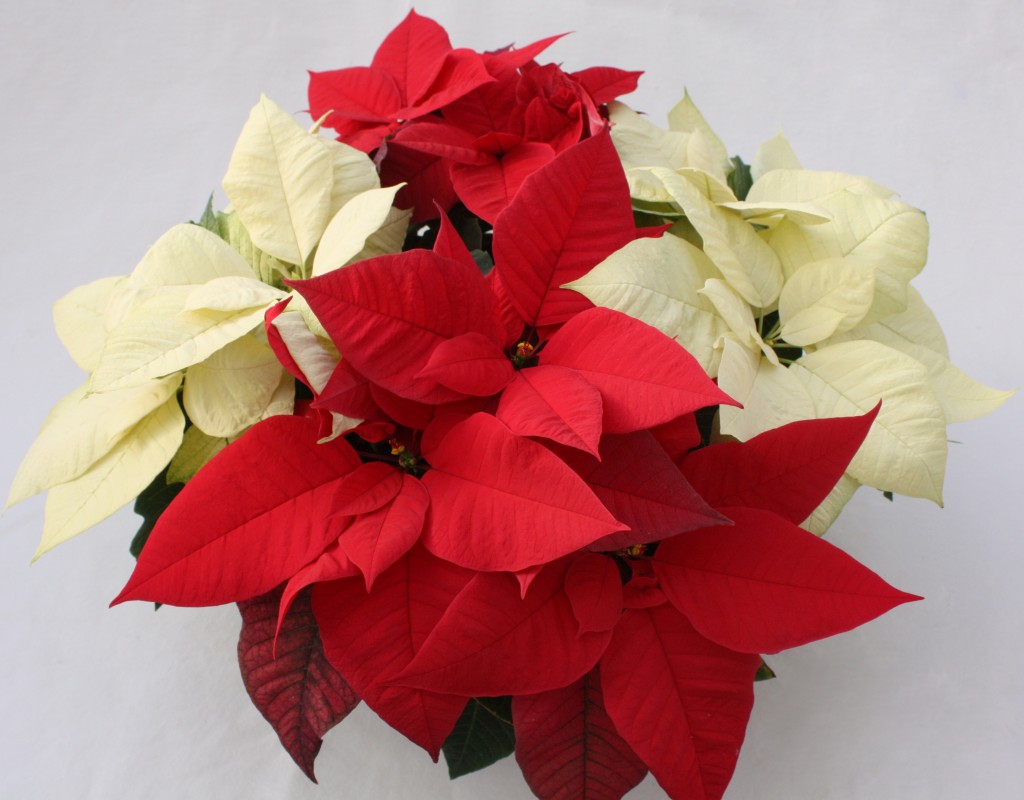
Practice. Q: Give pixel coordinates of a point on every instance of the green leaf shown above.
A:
(482, 736)
(740, 179)
(150, 504)
(483, 260)
(209, 218)
(764, 672)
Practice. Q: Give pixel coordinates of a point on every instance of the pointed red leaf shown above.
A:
(645, 378)
(490, 108)
(362, 94)
(333, 564)
(434, 136)
(641, 487)
(556, 403)
(370, 638)
(643, 591)
(412, 53)
(604, 84)
(764, 585)
(503, 502)
(491, 642)
(594, 587)
(460, 73)
(678, 437)
(567, 217)
(515, 57)
(472, 364)
(788, 470)
(428, 186)
(513, 325)
(486, 189)
(376, 540)
(681, 701)
(366, 489)
(252, 517)
(526, 577)
(407, 413)
(568, 748)
(387, 314)
(278, 344)
(449, 244)
(347, 392)
(299, 693)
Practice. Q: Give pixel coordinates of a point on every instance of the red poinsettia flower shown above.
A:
(535, 526)
(415, 71)
(494, 137)
(456, 125)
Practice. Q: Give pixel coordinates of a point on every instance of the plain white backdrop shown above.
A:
(119, 120)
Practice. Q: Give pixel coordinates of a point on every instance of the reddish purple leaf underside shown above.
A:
(568, 748)
(298, 692)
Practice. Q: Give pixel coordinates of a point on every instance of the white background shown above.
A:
(118, 121)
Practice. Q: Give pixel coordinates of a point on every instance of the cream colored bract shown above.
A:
(796, 297)
(184, 331)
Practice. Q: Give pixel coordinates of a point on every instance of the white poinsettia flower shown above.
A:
(184, 331)
(796, 297)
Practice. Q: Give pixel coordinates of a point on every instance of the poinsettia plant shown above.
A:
(509, 414)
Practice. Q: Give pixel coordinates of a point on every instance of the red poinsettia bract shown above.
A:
(456, 125)
(538, 524)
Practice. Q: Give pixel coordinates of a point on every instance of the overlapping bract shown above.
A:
(499, 486)
(460, 125)
(497, 496)
(792, 288)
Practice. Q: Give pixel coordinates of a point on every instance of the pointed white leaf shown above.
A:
(282, 401)
(280, 181)
(389, 238)
(764, 212)
(348, 231)
(905, 450)
(79, 317)
(115, 479)
(961, 396)
(657, 281)
(712, 187)
(641, 143)
(810, 186)
(731, 243)
(265, 267)
(84, 429)
(737, 315)
(160, 337)
(776, 153)
(232, 295)
(769, 393)
(886, 236)
(916, 324)
(707, 152)
(229, 391)
(188, 254)
(825, 514)
(316, 356)
(823, 298)
(352, 173)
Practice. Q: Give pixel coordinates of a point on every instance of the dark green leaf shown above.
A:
(764, 672)
(468, 226)
(149, 505)
(739, 179)
(482, 736)
(483, 260)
